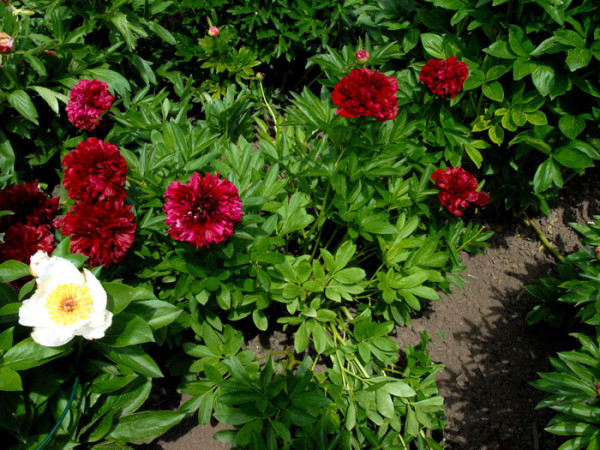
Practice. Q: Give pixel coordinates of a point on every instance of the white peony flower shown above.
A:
(66, 303)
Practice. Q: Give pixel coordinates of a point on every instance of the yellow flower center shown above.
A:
(69, 303)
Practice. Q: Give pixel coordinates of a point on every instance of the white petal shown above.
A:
(97, 292)
(33, 313)
(39, 259)
(57, 271)
(52, 337)
(96, 329)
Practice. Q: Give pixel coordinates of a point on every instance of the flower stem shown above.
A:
(470, 240)
(543, 238)
(271, 113)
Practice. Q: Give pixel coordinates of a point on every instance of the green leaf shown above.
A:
(12, 270)
(433, 45)
(543, 79)
(493, 91)
(500, 49)
(522, 67)
(21, 101)
(385, 405)
(571, 126)
(578, 58)
(375, 224)
(27, 354)
(496, 134)
(350, 421)
(399, 389)
(232, 416)
(51, 97)
(537, 118)
(302, 338)
(134, 358)
(144, 427)
(155, 313)
(547, 173)
(119, 296)
(573, 157)
(10, 380)
(128, 329)
(260, 320)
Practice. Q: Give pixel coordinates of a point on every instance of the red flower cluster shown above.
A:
(458, 189)
(203, 211)
(444, 77)
(30, 226)
(95, 170)
(366, 93)
(100, 224)
(87, 101)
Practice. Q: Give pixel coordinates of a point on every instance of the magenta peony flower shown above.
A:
(102, 231)
(95, 170)
(366, 93)
(458, 189)
(203, 211)
(362, 56)
(6, 43)
(213, 31)
(444, 77)
(88, 100)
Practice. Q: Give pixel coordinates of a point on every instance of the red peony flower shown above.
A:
(22, 241)
(366, 93)
(29, 205)
(444, 77)
(362, 56)
(203, 211)
(102, 231)
(88, 100)
(6, 43)
(95, 170)
(458, 189)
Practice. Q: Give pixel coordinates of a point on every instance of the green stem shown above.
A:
(62, 416)
(543, 238)
(470, 240)
(262, 91)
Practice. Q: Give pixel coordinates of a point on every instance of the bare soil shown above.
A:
(481, 336)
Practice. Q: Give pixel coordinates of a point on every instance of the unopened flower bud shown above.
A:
(362, 56)
(598, 389)
(597, 252)
(213, 31)
(6, 43)
(260, 76)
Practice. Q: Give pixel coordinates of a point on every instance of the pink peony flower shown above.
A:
(444, 77)
(213, 31)
(203, 211)
(95, 170)
(88, 100)
(6, 43)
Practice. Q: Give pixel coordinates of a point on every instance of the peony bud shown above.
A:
(213, 31)
(6, 43)
(260, 76)
(598, 389)
(362, 56)
(597, 252)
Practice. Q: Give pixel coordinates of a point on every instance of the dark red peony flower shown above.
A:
(366, 93)
(29, 205)
(458, 189)
(22, 241)
(203, 211)
(88, 100)
(102, 231)
(95, 170)
(444, 77)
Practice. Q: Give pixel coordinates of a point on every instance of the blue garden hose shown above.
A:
(62, 416)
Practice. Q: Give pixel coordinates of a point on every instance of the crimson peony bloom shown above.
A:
(29, 205)
(458, 189)
(366, 93)
(203, 211)
(95, 170)
(21, 241)
(6, 43)
(362, 56)
(444, 77)
(102, 231)
(88, 100)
